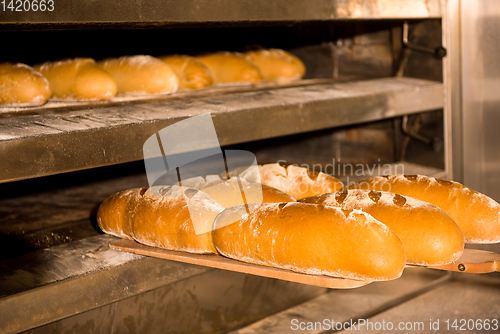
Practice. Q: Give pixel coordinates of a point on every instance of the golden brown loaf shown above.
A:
(21, 85)
(312, 239)
(229, 68)
(429, 235)
(293, 180)
(168, 218)
(140, 75)
(173, 218)
(192, 74)
(477, 215)
(78, 79)
(114, 215)
(277, 64)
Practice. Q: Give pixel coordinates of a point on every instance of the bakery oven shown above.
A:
(391, 87)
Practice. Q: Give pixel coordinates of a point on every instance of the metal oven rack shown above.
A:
(60, 138)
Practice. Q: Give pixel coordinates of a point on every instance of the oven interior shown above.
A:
(57, 267)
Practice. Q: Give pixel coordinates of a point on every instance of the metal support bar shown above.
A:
(439, 52)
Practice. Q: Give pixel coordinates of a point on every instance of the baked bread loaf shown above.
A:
(192, 74)
(178, 219)
(296, 181)
(230, 68)
(311, 239)
(277, 64)
(429, 235)
(477, 215)
(141, 75)
(78, 79)
(22, 86)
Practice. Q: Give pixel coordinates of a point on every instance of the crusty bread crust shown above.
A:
(230, 68)
(293, 180)
(429, 235)
(312, 239)
(161, 217)
(21, 85)
(166, 218)
(477, 215)
(192, 74)
(277, 64)
(141, 75)
(78, 79)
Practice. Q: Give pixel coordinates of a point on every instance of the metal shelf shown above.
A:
(157, 13)
(48, 144)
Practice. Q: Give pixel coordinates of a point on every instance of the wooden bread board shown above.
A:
(473, 261)
(220, 262)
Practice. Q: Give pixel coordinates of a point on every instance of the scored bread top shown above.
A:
(428, 233)
(170, 217)
(296, 181)
(312, 239)
(477, 215)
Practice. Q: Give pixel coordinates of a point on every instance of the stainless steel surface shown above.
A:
(418, 298)
(48, 144)
(473, 298)
(344, 306)
(65, 280)
(480, 31)
(452, 82)
(213, 302)
(169, 12)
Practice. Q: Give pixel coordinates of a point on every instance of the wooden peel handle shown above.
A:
(474, 261)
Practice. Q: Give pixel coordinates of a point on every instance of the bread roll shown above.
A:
(429, 235)
(140, 75)
(230, 68)
(477, 215)
(192, 74)
(293, 180)
(78, 79)
(178, 219)
(311, 239)
(22, 86)
(277, 64)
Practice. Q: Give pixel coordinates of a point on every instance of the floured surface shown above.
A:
(217, 261)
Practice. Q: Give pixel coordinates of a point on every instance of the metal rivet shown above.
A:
(461, 267)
